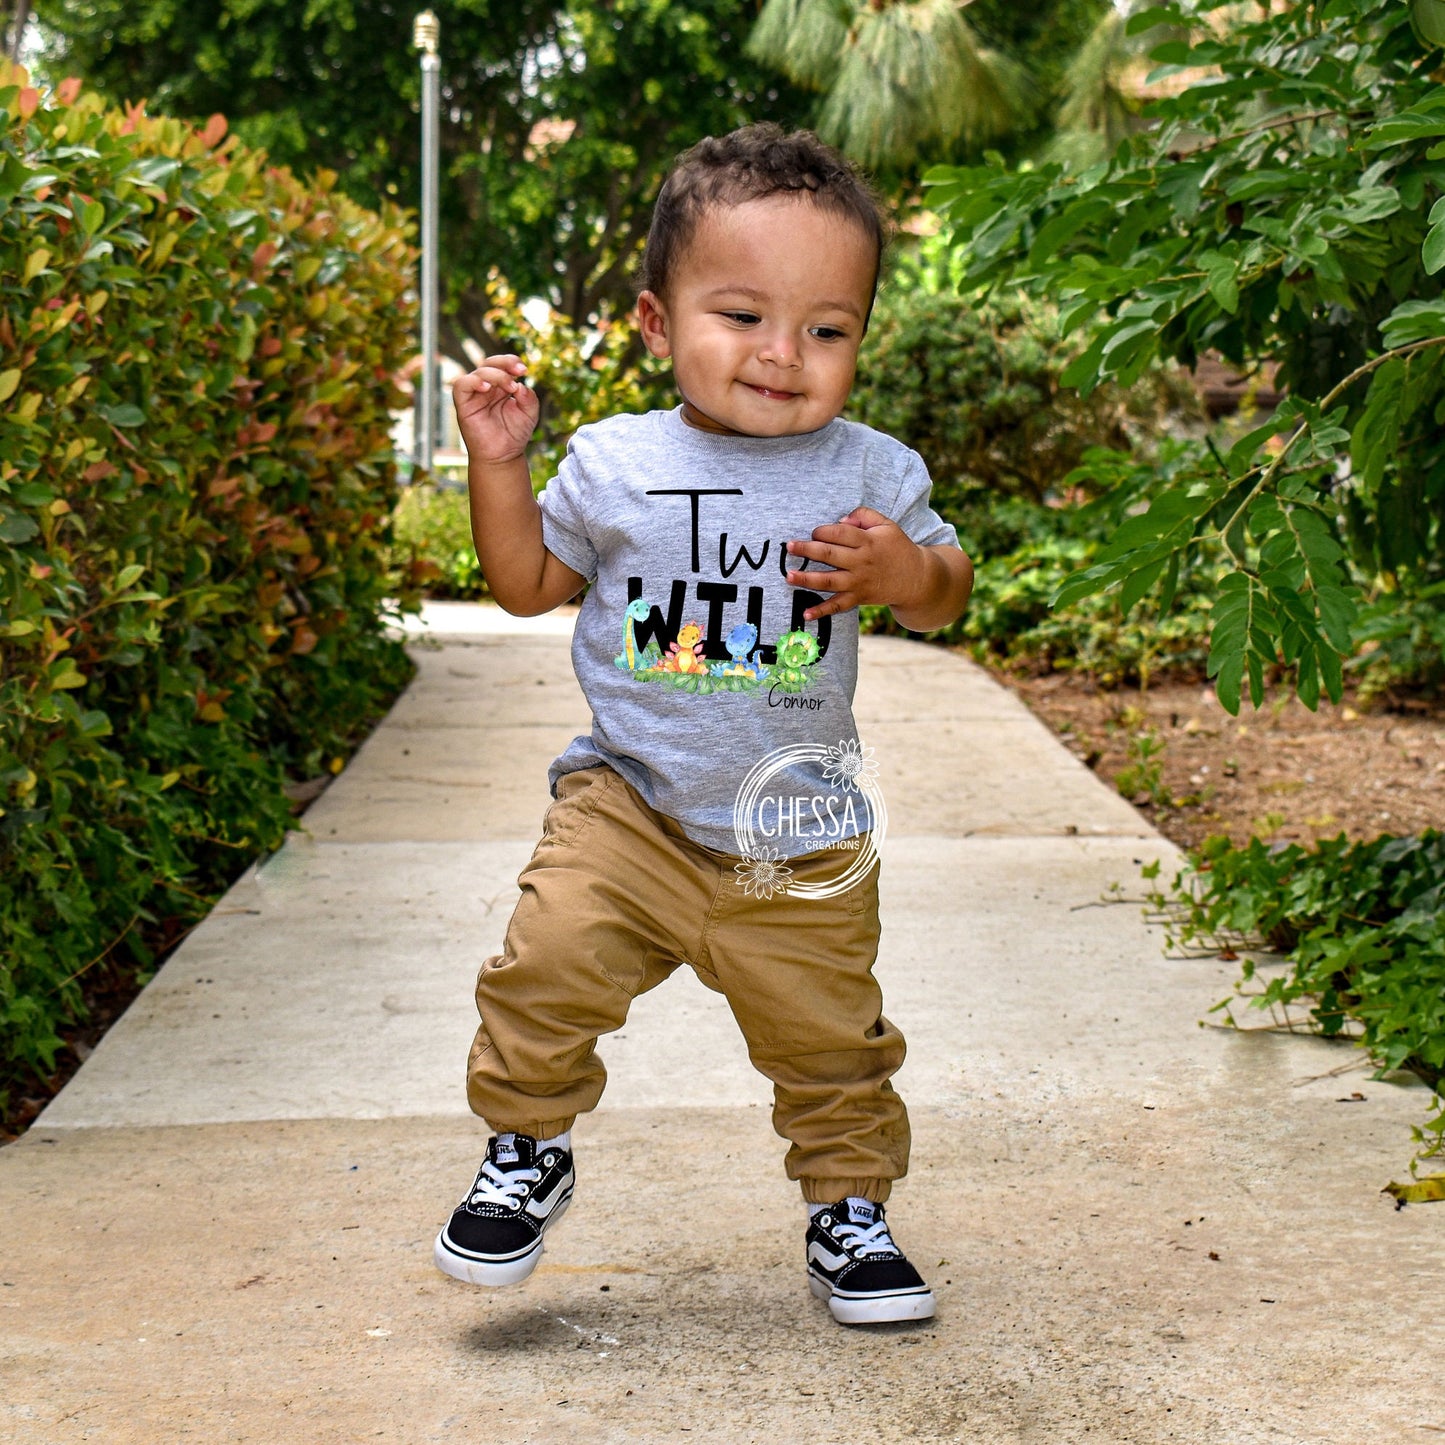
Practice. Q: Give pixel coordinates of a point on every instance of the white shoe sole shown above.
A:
(501, 1272)
(881, 1310)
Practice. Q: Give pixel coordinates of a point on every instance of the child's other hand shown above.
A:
(875, 560)
(496, 410)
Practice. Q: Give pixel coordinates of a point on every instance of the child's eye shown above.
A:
(743, 318)
(828, 333)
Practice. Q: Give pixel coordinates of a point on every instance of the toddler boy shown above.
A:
(712, 535)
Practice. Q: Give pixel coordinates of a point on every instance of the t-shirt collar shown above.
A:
(680, 431)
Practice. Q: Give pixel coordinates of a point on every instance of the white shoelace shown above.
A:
(874, 1242)
(494, 1186)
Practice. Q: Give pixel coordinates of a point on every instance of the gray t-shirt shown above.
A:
(690, 645)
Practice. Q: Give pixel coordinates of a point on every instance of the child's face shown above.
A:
(764, 317)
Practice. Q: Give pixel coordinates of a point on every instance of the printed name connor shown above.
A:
(789, 816)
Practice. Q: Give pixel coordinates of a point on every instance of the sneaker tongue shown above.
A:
(862, 1211)
(512, 1149)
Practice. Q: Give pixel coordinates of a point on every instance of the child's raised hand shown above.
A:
(875, 561)
(496, 410)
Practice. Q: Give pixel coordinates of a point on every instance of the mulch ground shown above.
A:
(1282, 773)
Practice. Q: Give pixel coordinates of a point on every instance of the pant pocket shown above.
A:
(578, 794)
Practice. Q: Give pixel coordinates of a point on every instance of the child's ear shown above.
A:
(652, 323)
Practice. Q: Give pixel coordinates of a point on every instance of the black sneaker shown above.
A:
(855, 1266)
(495, 1234)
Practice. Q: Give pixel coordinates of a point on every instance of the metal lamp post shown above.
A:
(425, 36)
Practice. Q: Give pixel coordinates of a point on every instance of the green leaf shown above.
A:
(1083, 583)
(128, 577)
(1370, 203)
(1139, 583)
(95, 724)
(1337, 617)
(1083, 371)
(1243, 632)
(1307, 680)
(1432, 252)
(1413, 321)
(1242, 452)
(1377, 433)
(1333, 674)
(1143, 20)
(1227, 680)
(125, 414)
(1224, 288)
(1171, 583)
(1169, 512)
(152, 170)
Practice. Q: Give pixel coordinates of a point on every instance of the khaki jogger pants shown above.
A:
(614, 898)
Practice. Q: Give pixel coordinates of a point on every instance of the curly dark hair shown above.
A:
(748, 165)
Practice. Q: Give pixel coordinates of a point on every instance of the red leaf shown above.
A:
(98, 471)
(29, 99)
(215, 130)
(68, 89)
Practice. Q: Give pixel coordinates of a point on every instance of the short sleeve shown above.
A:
(564, 516)
(912, 511)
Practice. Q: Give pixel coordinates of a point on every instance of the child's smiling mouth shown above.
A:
(769, 391)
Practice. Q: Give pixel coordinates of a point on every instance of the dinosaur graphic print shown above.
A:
(689, 655)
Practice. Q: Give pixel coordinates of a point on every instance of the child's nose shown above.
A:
(780, 346)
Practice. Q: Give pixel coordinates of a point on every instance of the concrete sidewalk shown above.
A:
(1138, 1230)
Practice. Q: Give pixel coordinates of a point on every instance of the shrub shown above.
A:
(1022, 552)
(1402, 630)
(974, 389)
(1284, 205)
(433, 531)
(580, 374)
(196, 359)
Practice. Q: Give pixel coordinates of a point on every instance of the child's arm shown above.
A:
(877, 562)
(497, 414)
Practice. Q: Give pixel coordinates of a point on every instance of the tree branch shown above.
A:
(1274, 465)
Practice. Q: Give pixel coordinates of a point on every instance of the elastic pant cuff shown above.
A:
(546, 1129)
(830, 1191)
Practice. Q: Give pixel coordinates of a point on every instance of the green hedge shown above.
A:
(196, 372)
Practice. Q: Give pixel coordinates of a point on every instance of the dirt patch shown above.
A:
(1279, 773)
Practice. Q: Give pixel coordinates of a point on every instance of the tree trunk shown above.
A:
(17, 30)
